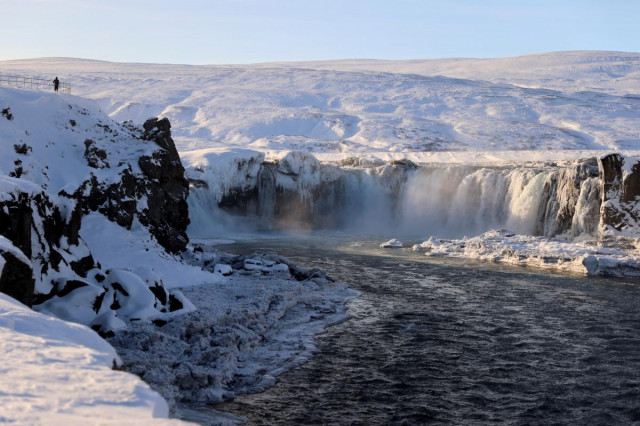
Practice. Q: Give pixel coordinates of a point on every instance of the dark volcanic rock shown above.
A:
(95, 156)
(16, 278)
(16, 221)
(620, 192)
(22, 149)
(620, 211)
(631, 186)
(611, 182)
(167, 212)
(162, 185)
(35, 226)
(6, 113)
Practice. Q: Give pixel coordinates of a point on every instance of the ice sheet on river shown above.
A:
(541, 252)
(246, 330)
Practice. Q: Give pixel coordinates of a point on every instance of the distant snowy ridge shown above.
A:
(575, 101)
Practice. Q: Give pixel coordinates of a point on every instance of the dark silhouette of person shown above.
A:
(56, 84)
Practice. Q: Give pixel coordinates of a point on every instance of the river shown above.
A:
(458, 342)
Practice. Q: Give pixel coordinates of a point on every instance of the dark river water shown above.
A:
(457, 342)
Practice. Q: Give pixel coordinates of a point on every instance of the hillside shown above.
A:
(546, 104)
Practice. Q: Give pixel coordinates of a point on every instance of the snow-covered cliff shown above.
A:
(297, 191)
(85, 198)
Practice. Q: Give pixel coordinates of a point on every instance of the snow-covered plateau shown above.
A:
(530, 160)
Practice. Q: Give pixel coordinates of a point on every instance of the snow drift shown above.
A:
(61, 373)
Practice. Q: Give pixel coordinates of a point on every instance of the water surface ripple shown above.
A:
(454, 343)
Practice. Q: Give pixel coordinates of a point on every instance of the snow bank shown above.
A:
(119, 248)
(540, 252)
(55, 372)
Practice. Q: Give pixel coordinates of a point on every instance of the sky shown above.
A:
(251, 31)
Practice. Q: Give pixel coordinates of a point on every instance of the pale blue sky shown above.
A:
(245, 31)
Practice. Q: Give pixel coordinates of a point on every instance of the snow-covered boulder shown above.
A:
(109, 301)
(265, 264)
(223, 269)
(392, 243)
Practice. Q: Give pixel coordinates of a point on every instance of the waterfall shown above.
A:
(456, 201)
(403, 199)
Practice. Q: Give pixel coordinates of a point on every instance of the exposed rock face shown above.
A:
(16, 222)
(95, 156)
(36, 226)
(47, 231)
(16, 275)
(167, 212)
(162, 185)
(570, 202)
(298, 192)
(620, 183)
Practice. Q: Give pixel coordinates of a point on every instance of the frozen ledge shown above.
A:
(540, 252)
(471, 157)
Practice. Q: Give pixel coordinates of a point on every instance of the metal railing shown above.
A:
(32, 83)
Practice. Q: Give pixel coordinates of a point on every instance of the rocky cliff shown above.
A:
(620, 187)
(62, 161)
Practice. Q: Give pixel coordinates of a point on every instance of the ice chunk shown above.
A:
(392, 243)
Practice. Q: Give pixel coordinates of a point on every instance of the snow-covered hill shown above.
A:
(65, 168)
(576, 101)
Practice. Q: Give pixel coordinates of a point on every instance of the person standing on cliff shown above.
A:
(56, 84)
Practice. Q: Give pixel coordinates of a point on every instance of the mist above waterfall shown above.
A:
(457, 201)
